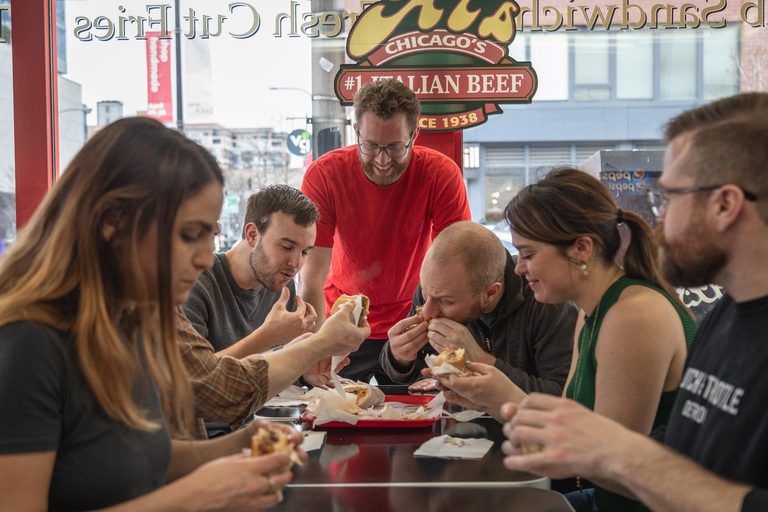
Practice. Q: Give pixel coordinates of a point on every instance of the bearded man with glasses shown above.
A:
(381, 204)
(713, 455)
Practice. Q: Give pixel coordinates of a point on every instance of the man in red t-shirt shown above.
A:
(381, 204)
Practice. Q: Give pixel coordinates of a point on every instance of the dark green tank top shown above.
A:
(586, 370)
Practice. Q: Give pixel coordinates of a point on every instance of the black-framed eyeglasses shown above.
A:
(658, 196)
(393, 150)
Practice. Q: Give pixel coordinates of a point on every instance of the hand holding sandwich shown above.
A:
(444, 333)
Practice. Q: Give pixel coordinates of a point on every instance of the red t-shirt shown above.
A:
(379, 234)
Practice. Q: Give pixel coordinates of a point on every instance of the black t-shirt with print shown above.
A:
(720, 418)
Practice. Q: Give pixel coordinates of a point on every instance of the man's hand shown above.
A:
(444, 333)
(420, 386)
(487, 389)
(282, 325)
(574, 440)
(405, 344)
(319, 374)
(339, 335)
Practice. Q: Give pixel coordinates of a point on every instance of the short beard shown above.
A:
(261, 268)
(693, 261)
(473, 316)
(394, 174)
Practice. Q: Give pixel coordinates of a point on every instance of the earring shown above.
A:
(584, 269)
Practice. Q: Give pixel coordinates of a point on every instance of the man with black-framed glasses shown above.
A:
(381, 202)
(712, 201)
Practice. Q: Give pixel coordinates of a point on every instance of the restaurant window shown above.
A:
(634, 65)
(678, 54)
(245, 99)
(721, 58)
(7, 151)
(549, 56)
(591, 67)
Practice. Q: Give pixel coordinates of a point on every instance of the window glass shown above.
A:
(678, 62)
(634, 65)
(721, 59)
(7, 153)
(591, 66)
(549, 56)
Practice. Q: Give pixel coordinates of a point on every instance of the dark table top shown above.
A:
(383, 457)
(414, 499)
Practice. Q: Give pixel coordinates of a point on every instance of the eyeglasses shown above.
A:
(658, 196)
(393, 150)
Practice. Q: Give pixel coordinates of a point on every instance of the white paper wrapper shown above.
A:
(447, 447)
(445, 368)
(332, 407)
(335, 360)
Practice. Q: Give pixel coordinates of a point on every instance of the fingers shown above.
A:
(300, 304)
(310, 310)
(285, 295)
(508, 410)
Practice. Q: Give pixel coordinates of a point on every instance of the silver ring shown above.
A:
(271, 483)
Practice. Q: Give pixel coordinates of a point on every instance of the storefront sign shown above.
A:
(159, 93)
(454, 59)
(299, 142)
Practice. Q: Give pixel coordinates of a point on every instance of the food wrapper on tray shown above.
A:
(331, 408)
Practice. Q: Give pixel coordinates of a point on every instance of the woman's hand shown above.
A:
(238, 483)
(486, 390)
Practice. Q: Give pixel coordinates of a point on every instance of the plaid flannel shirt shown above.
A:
(225, 389)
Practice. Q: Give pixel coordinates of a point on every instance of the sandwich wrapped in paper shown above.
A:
(366, 395)
(270, 439)
(366, 305)
(447, 362)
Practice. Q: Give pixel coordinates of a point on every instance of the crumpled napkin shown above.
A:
(447, 447)
(332, 407)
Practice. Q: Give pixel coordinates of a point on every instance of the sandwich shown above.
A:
(453, 357)
(419, 313)
(345, 298)
(365, 395)
(271, 439)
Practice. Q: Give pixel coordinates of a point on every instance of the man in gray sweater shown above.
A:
(246, 303)
(469, 289)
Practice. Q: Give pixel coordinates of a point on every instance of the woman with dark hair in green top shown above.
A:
(633, 332)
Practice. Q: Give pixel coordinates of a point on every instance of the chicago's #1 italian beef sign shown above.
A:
(451, 53)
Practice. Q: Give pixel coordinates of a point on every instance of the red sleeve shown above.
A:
(317, 188)
(450, 201)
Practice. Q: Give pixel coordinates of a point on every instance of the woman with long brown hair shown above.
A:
(89, 363)
(633, 332)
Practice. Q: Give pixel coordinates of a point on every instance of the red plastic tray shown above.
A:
(405, 399)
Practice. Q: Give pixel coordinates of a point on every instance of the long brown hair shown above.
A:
(64, 273)
(569, 204)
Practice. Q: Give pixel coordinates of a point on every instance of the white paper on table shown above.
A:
(336, 360)
(313, 440)
(466, 415)
(447, 447)
(293, 396)
(445, 368)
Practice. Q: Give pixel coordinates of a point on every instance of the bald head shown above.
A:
(475, 248)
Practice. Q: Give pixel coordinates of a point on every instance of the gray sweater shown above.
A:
(532, 342)
(222, 312)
